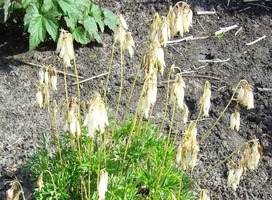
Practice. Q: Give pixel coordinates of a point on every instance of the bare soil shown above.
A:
(22, 123)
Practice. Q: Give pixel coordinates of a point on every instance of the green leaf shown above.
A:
(47, 5)
(70, 22)
(51, 25)
(110, 19)
(7, 9)
(37, 32)
(25, 3)
(96, 13)
(67, 6)
(31, 13)
(90, 25)
(81, 36)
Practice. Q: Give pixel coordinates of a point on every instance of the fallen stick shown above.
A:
(215, 60)
(88, 79)
(189, 38)
(193, 76)
(225, 29)
(206, 12)
(238, 31)
(265, 89)
(255, 41)
(58, 71)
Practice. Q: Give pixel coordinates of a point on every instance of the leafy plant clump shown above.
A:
(83, 18)
(140, 176)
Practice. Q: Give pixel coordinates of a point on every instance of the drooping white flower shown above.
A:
(177, 92)
(235, 120)
(46, 78)
(185, 113)
(123, 22)
(254, 156)
(234, 177)
(96, 118)
(187, 17)
(41, 76)
(102, 187)
(245, 95)
(159, 56)
(206, 99)
(129, 44)
(188, 148)
(65, 47)
(39, 99)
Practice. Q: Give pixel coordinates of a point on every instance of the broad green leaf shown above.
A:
(96, 13)
(31, 13)
(68, 7)
(81, 36)
(37, 32)
(82, 5)
(110, 19)
(90, 25)
(47, 5)
(51, 25)
(70, 22)
(97, 37)
(25, 3)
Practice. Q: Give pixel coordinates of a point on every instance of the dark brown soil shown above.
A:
(22, 123)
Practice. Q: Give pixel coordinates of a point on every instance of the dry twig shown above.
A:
(255, 41)
(88, 79)
(225, 29)
(215, 60)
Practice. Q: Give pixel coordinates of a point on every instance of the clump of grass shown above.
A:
(136, 177)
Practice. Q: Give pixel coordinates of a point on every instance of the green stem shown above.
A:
(78, 90)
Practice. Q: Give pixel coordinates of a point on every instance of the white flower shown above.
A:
(206, 99)
(39, 99)
(54, 82)
(41, 76)
(178, 27)
(102, 187)
(177, 92)
(188, 148)
(152, 89)
(120, 36)
(245, 95)
(143, 106)
(187, 17)
(123, 22)
(129, 44)
(97, 117)
(46, 78)
(186, 113)
(254, 156)
(159, 54)
(234, 177)
(65, 47)
(235, 120)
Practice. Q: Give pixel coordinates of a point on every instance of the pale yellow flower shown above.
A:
(235, 120)
(102, 187)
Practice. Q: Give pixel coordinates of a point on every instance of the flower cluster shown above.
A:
(72, 121)
(249, 160)
(124, 38)
(65, 47)
(102, 187)
(13, 193)
(178, 20)
(188, 149)
(47, 79)
(96, 118)
(245, 95)
(148, 97)
(177, 96)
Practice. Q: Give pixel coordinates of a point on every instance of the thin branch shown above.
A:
(88, 79)
(225, 29)
(37, 65)
(215, 60)
(238, 31)
(255, 41)
(189, 38)
(206, 12)
(265, 89)
(193, 76)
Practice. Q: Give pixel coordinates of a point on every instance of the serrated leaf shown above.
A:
(67, 6)
(97, 38)
(70, 22)
(110, 19)
(25, 3)
(31, 13)
(96, 13)
(90, 25)
(51, 25)
(81, 36)
(47, 5)
(37, 32)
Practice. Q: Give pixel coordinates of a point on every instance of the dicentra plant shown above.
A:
(93, 157)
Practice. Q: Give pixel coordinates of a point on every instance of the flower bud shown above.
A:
(235, 121)
(206, 99)
(39, 99)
